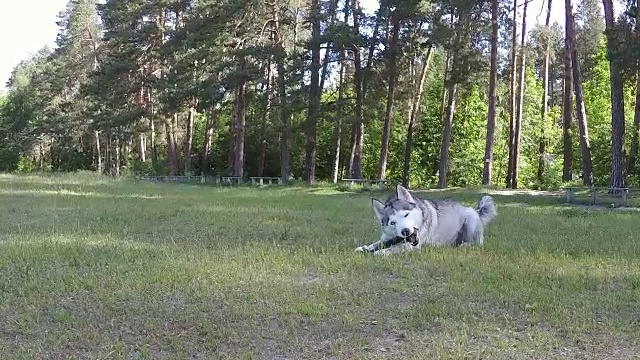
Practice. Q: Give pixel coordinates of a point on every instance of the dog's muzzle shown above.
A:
(409, 236)
(413, 238)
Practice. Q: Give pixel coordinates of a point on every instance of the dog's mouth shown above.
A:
(413, 238)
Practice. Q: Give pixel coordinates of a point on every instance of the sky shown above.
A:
(26, 26)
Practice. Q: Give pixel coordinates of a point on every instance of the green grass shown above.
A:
(100, 269)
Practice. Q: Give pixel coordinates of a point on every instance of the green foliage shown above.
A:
(145, 62)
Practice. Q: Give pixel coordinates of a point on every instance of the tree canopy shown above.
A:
(429, 93)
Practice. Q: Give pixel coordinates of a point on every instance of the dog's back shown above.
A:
(457, 224)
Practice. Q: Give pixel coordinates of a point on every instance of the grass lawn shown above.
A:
(98, 269)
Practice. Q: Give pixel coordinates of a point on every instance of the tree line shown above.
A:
(430, 93)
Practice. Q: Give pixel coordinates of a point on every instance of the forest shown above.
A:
(425, 93)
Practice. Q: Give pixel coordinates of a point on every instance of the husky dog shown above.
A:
(408, 223)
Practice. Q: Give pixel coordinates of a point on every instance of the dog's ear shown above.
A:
(378, 209)
(403, 194)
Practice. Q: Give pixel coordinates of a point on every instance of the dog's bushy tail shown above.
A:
(486, 209)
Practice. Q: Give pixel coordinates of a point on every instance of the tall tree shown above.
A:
(521, 81)
(587, 167)
(635, 139)
(544, 110)
(413, 116)
(513, 83)
(239, 122)
(493, 80)
(393, 58)
(467, 25)
(283, 108)
(208, 140)
(618, 175)
(335, 167)
(361, 80)
(342, 85)
(268, 90)
(567, 102)
(314, 93)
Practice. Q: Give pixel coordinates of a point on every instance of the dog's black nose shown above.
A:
(405, 232)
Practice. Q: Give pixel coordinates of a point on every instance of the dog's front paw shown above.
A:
(363, 248)
(383, 252)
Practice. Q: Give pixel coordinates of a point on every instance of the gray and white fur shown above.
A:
(408, 223)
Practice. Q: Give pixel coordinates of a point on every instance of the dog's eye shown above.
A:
(407, 214)
(392, 223)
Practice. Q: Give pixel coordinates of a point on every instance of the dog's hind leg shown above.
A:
(470, 233)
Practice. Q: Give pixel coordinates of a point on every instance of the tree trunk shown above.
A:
(314, 95)
(265, 116)
(154, 146)
(618, 176)
(446, 135)
(116, 163)
(635, 138)
(285, 132)
(491, 115)
(413, 117)
(188, 143)
(513, 83)
(42, 155)
(232, 136)
(352, 147)
(208, 141)
(96, 137)
(362, 81)
(443, 98)
(174, 130)
(587, 172)
(239, 120)
(567, 100)
(448, 124)
(151, 111)
(127, 147)
(108, 153)
(142, 148)
(142, 144)
(542, 145)
(443, 103)
(355, 160)
(283, 111)
(518, 127)
(171, 148)
(358, 125)
(386, 132)
(335, 168)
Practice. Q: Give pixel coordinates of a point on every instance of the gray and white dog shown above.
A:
(408, 223)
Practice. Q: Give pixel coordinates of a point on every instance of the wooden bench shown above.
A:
(231, 180)
(365, 182)
(570, 193)
(200, 179)
(270, 180)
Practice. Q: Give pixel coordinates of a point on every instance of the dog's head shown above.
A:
(399, 216)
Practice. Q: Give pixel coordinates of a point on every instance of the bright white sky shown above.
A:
(25, 27)
(28, 25)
